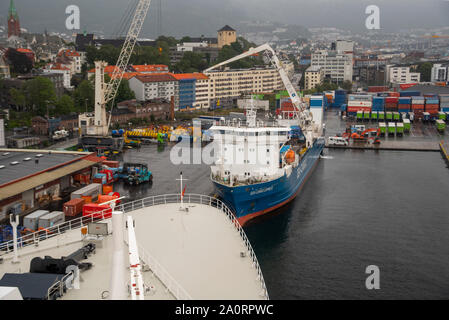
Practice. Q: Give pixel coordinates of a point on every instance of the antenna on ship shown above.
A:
(182, 192)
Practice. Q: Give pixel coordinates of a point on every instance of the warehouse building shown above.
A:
(31, 179)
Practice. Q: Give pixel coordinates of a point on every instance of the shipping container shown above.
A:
(73, 207)
(111, 164)
(377, 88)
(31, 221)
(410, 93)
(93, 190)
(51, 219)
(97, 211)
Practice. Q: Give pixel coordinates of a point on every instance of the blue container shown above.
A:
(343, 107)
(410, 93)
(316, 103)
(405, 100)
(403, 110)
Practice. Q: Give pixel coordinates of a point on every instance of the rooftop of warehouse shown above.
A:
(428, 89)
(16, 164)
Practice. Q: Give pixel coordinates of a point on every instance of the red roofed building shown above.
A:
(150, 68)
(75, 57)
(29, 53)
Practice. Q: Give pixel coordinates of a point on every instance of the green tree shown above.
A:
(84, 94)
(18, 98)
(40, 94)
(191, 62)
(425, 69)
(64, 106)
(346, 85)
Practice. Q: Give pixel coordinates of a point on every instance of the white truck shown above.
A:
(61, 134)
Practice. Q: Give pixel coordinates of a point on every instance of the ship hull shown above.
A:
(251, 201)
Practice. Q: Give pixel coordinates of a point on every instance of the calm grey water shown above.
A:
(389, 209)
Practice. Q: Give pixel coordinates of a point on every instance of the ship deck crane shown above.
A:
(302, 115)
(106, 92)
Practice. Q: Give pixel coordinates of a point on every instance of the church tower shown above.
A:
(13, 21)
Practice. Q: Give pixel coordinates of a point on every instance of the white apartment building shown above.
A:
(439, 73)
(314, 76)
(155, 86)
(202, 92)
(63, 69)
(401, 75)
(234, 83)
(345, 46)
(336, 65)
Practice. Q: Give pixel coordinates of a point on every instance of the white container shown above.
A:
(93, 190)
(51, 219)
(31, 221)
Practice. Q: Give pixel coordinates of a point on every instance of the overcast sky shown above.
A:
(196, 17)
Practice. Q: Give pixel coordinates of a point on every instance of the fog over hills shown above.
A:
(197, 17)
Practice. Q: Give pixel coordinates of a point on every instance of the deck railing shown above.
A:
(158, 270)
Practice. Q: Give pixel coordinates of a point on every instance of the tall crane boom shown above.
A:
(127, 49)
(303, 115)
(105, 93)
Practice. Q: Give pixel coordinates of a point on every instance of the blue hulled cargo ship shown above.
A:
(253, 200)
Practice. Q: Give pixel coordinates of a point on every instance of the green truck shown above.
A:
(441, 125)
(389, 116)
(381, 115)
(399, 128)
(442, 115)
(359, 115)
(383, 128)
(407, 125)
(396, 116)
(391, 128)
(366, 115)
(374, 115)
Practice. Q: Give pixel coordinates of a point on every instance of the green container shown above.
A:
(391, 128)
(381, 115)
(400, 128)
(383, 128)
(389, 115)
(407, 125)
(441, 125)
(374, 115)
(441, 115)
(366, 115)
(359, 115)
(396, 116)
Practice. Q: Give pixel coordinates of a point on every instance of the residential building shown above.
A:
(75, 57)
(61, 69)
(187, 88)
(227, 86)
(133, 70)
(439, 73)
(202, 91)
(226, 36)
(337, 65)
(314, 76)
(401, 75)
(155, 86)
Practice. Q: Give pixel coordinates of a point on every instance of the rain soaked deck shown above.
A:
(201, 249)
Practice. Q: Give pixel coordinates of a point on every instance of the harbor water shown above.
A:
(359, 208)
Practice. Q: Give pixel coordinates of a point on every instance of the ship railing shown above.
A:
(33, 239)
(51, 232)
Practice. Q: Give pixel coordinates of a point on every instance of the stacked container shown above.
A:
(359, 102)
(378, 104)
(418, 104)
(410, 94)
(432, 106)
(51, 219)
(31, 221)
(339, 98)
(391, 103)
(444, 102)
(404, 104)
